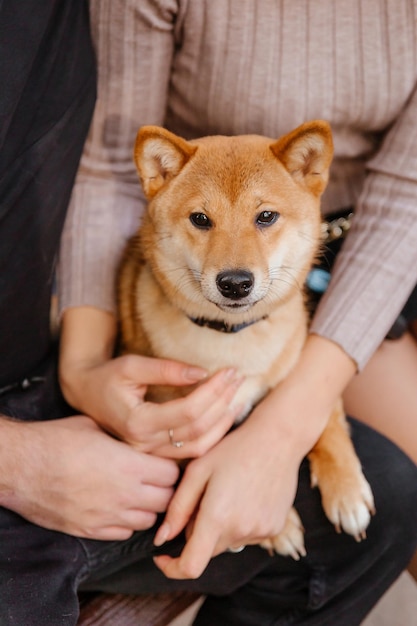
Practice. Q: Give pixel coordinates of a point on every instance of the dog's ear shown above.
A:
(306, 153)
(159, 156)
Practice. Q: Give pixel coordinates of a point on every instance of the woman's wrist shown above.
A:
(298, 409)
(86, 341)
(73, 380)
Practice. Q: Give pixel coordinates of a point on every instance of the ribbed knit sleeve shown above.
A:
(134, 61)
(377, 268)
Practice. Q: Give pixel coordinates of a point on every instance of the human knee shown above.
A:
(393, 479)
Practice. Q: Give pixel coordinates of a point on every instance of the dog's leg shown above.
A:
(335, 468)
(290, 541)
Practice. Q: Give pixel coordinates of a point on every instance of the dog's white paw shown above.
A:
(290, 541)
(348, 504)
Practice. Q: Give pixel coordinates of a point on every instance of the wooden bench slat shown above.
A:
(126, 610)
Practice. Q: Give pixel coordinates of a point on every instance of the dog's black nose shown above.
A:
(235, 284)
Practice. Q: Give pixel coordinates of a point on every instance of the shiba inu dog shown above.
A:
(215, 275)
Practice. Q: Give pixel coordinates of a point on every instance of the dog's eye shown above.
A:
(200, 220)
(266, 218)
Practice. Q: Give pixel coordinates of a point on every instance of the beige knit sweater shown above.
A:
(261, 66)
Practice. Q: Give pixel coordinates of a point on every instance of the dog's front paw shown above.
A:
(290, 541)
(347, 501)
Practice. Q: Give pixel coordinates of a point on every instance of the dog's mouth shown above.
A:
(237, 307)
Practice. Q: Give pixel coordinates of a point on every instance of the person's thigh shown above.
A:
(384, 394)
(39, 572)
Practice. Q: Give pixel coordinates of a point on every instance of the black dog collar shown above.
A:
(222, 327)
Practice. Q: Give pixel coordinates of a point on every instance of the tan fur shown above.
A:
(172, 272)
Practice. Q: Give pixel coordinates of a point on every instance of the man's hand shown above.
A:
(68, 475)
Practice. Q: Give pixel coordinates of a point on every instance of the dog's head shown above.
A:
(233, 223)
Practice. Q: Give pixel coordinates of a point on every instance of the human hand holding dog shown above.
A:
(240, 492)
(112, 391)
(227, 498)
(57, 475)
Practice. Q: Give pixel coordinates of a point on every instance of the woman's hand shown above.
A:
(240, 492)
(112, 391)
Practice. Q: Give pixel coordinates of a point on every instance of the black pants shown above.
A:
(48, 86)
